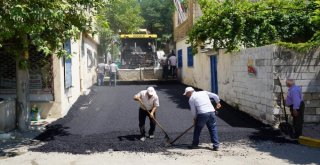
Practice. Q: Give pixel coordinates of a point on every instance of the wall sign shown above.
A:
(251, 68)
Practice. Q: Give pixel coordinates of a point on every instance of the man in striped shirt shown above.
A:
(296, 104)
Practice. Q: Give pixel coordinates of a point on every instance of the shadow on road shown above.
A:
(174, 93)
(129, 137)
(236, 118)
(52, 131)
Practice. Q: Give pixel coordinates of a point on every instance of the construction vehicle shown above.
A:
(138, 50)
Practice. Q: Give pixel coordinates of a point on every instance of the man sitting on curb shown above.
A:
(149, 103)
(204, 114)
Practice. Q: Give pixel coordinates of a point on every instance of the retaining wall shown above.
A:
(257, 93)
(251, 93)
(137, 74)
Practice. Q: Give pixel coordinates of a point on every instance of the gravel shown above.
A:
(107, 120)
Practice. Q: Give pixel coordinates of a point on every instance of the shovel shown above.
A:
(284, 127)
(160, 126)
(177, 138)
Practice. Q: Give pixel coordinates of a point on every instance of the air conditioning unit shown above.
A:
(206, 47)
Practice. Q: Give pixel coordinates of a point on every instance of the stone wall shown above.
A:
(305, 69)
(251, 93)
(258, 94)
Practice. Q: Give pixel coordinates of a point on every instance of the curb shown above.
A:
(311, 142)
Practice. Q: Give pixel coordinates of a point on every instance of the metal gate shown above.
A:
(40, 72)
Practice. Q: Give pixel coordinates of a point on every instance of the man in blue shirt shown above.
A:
(204, 114)
(296, 104)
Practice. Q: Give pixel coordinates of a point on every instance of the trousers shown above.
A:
(142, 120)
(208, 119)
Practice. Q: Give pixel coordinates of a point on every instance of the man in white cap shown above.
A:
(204, 114)
(149, 103)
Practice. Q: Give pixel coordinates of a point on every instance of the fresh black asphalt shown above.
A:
(107, 120)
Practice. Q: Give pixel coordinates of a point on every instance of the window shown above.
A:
(190, 57)
(67, 66)
(180, 58)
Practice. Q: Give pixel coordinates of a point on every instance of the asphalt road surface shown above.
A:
(107, 120)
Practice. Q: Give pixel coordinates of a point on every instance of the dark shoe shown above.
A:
(294, 137)
(193, 147)
(215, 148)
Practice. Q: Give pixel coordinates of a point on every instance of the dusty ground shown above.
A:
(102, 128)
(235, 153)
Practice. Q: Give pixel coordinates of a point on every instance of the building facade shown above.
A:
(55, 83)
(248, 79)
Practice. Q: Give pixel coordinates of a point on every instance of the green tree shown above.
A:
(118, 16)
(316, 20)
(123, 16)
(46, 25)
(158, 18)
(234, 23)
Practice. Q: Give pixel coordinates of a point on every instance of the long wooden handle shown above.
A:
(283, 101)
(167, 136)
(182, 134)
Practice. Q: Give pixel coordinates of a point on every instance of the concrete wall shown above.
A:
(305, 69)
(259, 95)
(136, 75)
(250, 93)
(89, 74)
(83, 77)
(200, 74)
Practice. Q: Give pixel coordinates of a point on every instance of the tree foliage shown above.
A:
(45, 24)
(118, 16)
(158, 16)
(232, 24)
(123, 15)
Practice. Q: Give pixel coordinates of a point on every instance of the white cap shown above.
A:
(188, 89)
(151, 91)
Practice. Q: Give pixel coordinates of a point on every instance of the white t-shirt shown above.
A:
(113, 68)
(173, 61)
(148, 103)
(200, 102)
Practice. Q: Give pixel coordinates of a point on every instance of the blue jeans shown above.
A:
(113, 78)
(208, 119)
(100, 79)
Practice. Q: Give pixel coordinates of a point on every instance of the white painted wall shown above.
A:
(89, 74)
(200, 74)
(251, 94)
(82, 79)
